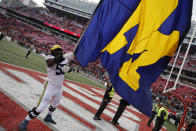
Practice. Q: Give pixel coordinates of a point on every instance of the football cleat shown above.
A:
(96, 118)
(48, 118)
(115, 123)
(23, 125)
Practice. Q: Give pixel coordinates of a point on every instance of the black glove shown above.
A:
(58, 58)
(70, 70)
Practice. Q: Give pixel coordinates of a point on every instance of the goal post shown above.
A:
(182, 65)
(178, 76)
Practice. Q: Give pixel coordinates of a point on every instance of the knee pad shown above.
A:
(33, 113)
(51, 109)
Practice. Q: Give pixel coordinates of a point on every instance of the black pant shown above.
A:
(28, 53)
(158, 124)
(177, 121)
(103, 105)
(123, 104)
(152, 117)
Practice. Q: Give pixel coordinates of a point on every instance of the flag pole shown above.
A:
(88, 24)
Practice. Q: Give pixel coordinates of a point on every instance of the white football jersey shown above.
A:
(55, 73)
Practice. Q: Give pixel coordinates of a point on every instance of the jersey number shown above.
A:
(59, 69)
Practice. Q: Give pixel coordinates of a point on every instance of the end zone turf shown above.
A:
(21, 88)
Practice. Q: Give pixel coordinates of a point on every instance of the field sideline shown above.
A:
(14, 54)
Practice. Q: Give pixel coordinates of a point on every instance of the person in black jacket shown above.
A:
(162, 116)
(109, 93)
(1, 36)
(154, 113)
(122, 106)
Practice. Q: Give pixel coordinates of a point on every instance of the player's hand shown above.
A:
(58, 58)
(66, 68)
(70, 69)
(69, 56)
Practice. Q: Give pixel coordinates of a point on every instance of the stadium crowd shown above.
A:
(190, 63)
(27, 35)
(44, 15)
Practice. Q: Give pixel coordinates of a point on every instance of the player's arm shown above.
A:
(58, 59)
(50, 62)
(68, 56)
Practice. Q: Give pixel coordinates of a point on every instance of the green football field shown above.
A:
(15, 54)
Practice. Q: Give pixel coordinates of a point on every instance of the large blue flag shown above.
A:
(135, 40)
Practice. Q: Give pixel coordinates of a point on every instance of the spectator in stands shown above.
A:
(190, 125)
(109, 93)
(121, 107)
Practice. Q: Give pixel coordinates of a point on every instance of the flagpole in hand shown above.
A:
(87, 25)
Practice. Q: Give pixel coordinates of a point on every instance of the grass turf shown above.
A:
(15, 54)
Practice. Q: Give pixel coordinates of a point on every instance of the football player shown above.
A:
(57, 65)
